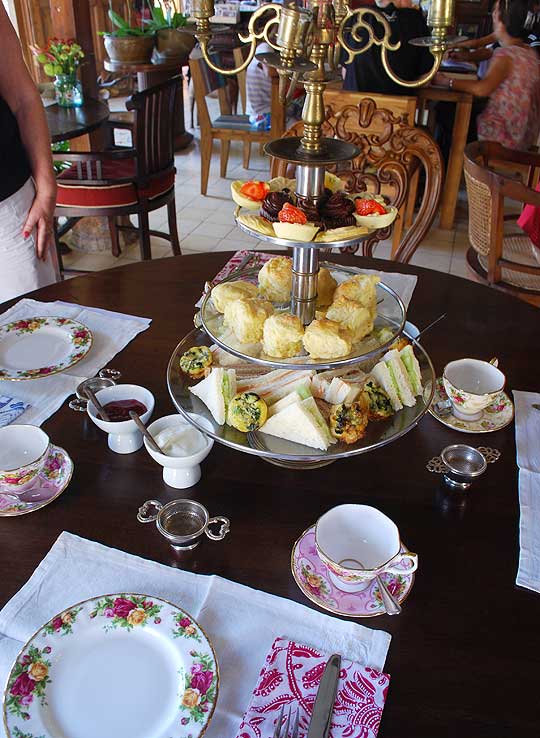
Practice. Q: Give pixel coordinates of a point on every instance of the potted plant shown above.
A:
(61, 60)
(127, 43)
(171, 41)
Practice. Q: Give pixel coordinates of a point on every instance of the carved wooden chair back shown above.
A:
(393, 152)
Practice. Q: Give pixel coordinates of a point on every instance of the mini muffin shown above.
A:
(362, 288)
(337, 211)
(272, 204)
(247, 412)
(275, 279)
(228, 291)
(351, 315)
(326, 339)
(195, 360)
(326, 285)
(282, 335)
(246, 316)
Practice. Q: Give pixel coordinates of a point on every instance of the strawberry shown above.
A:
(254, 190)
(290, 214)
(369, 207)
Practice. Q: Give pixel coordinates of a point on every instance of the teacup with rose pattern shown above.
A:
(472, 385)
(358, 543)
(23, 452)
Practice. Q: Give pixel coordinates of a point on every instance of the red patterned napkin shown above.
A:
(291, 676)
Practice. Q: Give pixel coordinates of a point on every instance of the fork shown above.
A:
(278, 732)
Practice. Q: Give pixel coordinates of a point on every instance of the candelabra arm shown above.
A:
(361, 14)
(437, 54)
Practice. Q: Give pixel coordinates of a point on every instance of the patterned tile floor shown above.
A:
(206, 223)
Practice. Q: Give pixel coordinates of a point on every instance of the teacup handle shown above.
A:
(145, 514)
(223, 530)
(412, 557)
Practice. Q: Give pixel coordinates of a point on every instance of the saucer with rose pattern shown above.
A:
(495, 416)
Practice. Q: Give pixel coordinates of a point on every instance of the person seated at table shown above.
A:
(512, 84)
(27, 181)
(366, 73)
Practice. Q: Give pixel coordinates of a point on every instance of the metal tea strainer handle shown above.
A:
(145, 515)
(223, 530)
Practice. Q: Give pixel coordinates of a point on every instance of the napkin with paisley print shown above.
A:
(291, 676)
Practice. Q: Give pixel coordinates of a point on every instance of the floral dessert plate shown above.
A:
(50, 483)
(496, 416)
(116, 665)
(38, 347)
(311, 575)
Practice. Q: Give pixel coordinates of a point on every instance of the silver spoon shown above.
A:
(103, 414)
(146, 433)
(390, 604)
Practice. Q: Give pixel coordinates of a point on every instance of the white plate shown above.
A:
(41, 346)
(114, 666)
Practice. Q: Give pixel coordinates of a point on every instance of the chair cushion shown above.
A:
(71, 194)
(234, 122)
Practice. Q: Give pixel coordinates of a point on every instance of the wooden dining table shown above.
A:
(464, 657)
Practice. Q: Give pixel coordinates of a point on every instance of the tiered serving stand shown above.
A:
(307, 38)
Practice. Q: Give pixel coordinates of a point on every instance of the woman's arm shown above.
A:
(499, 69)
(21, 94)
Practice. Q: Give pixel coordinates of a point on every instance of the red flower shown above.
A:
(202, 680)
(57, 623)
(23, 685)
(184, 623)
(122, 607)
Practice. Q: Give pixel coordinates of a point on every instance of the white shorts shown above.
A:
(20, 269)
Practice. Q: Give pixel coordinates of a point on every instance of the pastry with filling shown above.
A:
(293, 224)
(327, 339)
(362, 288)
(326, 285)
(282, 335)
(275, 279)
(351, 315)
(337, 211)
(246, 316)
(229, 291)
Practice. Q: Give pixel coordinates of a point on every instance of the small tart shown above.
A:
(281, 183)
(257, 223)
(333, 182)
(377, 221)
(341, 234)
(242, 200)
(296, 231)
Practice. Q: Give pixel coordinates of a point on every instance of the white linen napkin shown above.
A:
(528, 460)
(241, 622)
(111, 331)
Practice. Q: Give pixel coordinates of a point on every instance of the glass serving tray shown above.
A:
(278, 450)
(391, 315)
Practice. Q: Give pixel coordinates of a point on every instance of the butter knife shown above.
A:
(323, 707)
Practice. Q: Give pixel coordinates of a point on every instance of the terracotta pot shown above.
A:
(130, 49)
(172, 43)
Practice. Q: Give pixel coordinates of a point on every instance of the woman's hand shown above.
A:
(441, 80)
(40, 216)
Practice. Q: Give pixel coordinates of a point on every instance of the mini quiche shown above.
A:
(195, 361)
(247, 412)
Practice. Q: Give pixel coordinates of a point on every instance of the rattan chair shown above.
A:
(393, 154)
(500, 253)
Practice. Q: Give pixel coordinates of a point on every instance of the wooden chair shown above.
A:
(226, 127)
(501, 254)
(133, 181)
(393, 154)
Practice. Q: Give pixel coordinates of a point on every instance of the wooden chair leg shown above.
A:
(411, 199)
(225, 147)
(173, 228)
(206, 156)
(144, 234)
(246, 153)
(116, 250)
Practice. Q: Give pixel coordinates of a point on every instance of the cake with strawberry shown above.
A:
(293, 224)
(250, 194)
(373, 212)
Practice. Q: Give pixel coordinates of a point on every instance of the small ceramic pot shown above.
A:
(132, 49)
(173, 43)
(358, 543)
(123, 436)
(183, 522)
(472, 385)
(23, 452)
(179, 472)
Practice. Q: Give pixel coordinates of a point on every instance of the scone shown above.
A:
(326, 285)
(351, 315)
(362, 288)
(275, 279)
(282, 335)
(228, 291)
(326, 339)
(246, 316)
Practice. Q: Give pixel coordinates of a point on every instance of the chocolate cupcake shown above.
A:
(310, 209)
(272, 204)
(337, 211)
